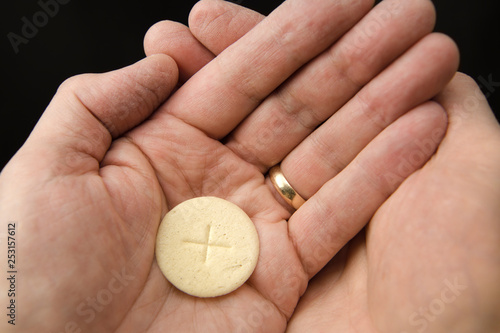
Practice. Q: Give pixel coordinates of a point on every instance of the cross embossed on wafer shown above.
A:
(207, 243)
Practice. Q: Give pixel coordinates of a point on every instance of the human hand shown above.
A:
(429, 261)
(88, 207)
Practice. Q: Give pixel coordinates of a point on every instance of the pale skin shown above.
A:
(91, 184)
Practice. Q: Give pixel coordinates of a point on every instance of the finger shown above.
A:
(414, 78)
(471, 124)
(89, 110)
(176, 40)
(214, 25)
(225, 91)
(344, 205)
(322, 87)
(218, 24)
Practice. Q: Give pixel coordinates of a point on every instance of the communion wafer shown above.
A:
(207, 247)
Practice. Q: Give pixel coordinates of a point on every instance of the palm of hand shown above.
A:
(140, 177)
(190, 165)
(106, 216)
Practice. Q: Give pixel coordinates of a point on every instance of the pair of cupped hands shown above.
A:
(396, 153)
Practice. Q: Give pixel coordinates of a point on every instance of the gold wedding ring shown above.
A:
(284, 188)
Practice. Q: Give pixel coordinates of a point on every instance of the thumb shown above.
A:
(89, 110)
(472, 123)
(466, 105)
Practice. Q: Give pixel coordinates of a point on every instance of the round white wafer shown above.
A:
(207, 247)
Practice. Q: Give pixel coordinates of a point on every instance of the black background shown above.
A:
(97, 36)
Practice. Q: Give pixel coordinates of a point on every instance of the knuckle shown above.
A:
(71, 84)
